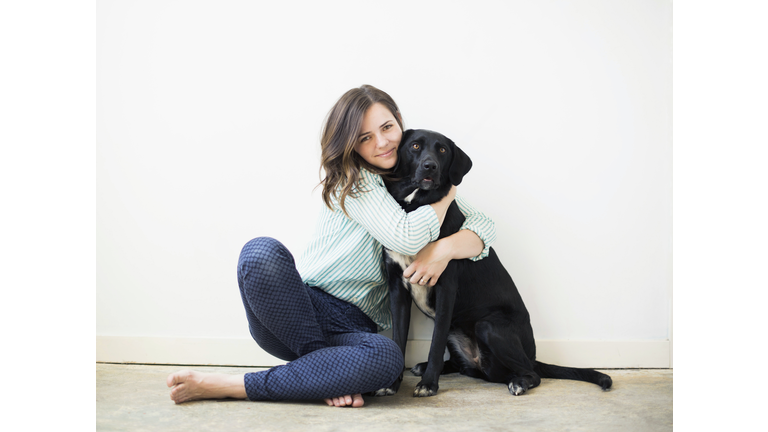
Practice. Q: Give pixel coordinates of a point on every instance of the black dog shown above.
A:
(476, 307)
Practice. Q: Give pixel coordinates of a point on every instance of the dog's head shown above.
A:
(428, 161)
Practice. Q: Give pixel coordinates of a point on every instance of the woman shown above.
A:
(322, 314)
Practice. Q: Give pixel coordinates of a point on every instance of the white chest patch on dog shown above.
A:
(419, 293)
(410, 197)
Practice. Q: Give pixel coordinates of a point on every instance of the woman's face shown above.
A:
(379, 137)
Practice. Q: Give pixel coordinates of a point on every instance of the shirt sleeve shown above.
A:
(376, 211)
(479, 223)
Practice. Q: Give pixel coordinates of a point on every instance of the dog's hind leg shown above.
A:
(519, 384)
(456, 361)
(510, 364)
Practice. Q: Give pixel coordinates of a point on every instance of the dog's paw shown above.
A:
(388, 391)
(391, 390)
(425, 390)
(518, 386)
(419, 369)
(516, 389)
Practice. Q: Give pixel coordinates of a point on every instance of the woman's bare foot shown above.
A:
(189, 385)
(355, 401)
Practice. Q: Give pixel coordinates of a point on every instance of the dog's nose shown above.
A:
(430, 165)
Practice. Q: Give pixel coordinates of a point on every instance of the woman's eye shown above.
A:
(364, 139)
(415, 146)
(387, 127)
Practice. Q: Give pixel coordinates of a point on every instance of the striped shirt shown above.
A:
(345, 259)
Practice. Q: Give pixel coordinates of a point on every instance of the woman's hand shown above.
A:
(430, 263)
(432, 260)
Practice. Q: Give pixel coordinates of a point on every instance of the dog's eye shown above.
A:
(415, 146)
(442, 149)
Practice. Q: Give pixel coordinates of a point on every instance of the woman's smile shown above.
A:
(387, 154)
(379, 137)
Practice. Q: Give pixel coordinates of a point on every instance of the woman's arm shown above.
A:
(432, 260)
(472, 241)
(479, 223)
(384, 219)
(464, 244)
(441, 207)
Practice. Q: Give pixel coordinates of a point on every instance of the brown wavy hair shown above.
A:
(339, 159)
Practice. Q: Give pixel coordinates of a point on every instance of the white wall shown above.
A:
(209, 116)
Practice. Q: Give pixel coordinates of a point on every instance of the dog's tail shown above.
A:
(589, 375)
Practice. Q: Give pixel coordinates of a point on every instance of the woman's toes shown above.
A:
(177, 377)
(177, 393)
(171, 380)
(179, 383)
(348, 400)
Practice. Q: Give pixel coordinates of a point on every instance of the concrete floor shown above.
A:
(135, 398)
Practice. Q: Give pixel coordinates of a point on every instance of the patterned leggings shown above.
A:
(331, 345)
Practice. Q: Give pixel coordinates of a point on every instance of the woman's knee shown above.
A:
(262, 253)
(264, 261)
(261, 246)
(384, 354)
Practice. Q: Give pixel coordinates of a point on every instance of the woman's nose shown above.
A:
(381, 140)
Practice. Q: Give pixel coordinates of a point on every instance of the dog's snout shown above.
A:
(430, 165)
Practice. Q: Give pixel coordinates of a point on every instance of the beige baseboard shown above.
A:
(245, 352)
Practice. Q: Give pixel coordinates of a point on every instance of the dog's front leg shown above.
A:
(400, 304)
(445, 293)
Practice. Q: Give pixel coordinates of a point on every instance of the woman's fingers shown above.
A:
(419, 276)
(420, 279)
(429, 264)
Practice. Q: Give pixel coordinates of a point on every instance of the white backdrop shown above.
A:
(209, 115)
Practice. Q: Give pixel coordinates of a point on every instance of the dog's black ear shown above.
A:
(403, 140)
(460, 165)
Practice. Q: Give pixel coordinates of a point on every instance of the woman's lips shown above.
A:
(387, 154)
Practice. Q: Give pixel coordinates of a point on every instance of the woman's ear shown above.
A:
(460, 165)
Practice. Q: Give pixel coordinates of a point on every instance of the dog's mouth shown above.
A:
(427, 183)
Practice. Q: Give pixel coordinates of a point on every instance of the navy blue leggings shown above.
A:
(332, 347)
